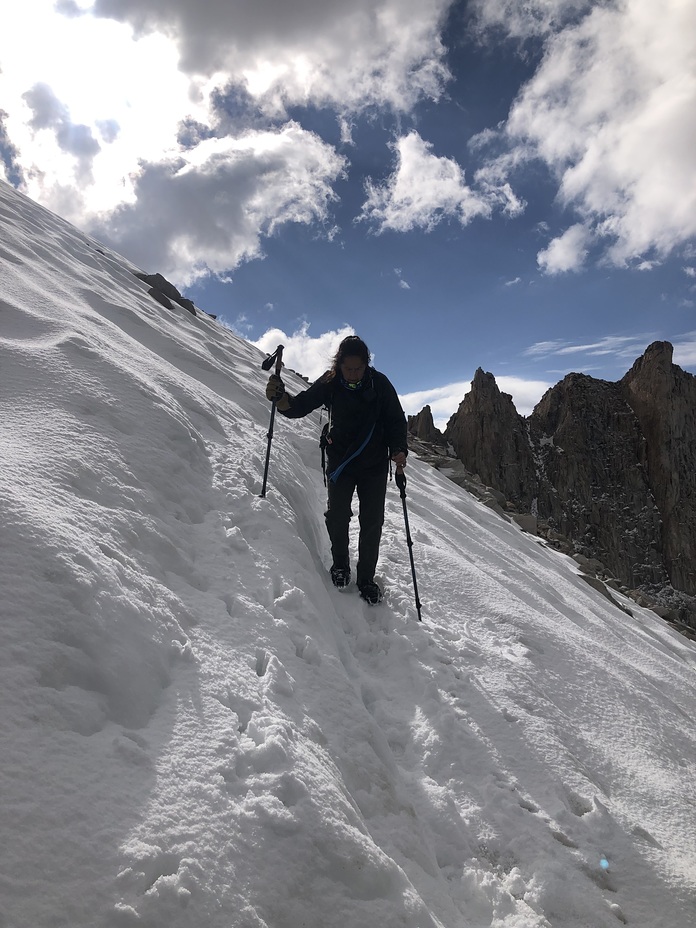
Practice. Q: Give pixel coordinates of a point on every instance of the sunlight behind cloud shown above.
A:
(320, 52)
(78, 57)
(111, 114)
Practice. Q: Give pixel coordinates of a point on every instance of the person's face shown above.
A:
(352, 369)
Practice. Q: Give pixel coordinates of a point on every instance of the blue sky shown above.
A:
(464, 185)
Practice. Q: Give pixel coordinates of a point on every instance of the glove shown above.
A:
(275, 391)
(274, 388)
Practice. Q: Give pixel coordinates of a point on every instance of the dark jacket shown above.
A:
(352, 415)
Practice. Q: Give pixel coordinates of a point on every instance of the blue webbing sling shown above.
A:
(335, 474)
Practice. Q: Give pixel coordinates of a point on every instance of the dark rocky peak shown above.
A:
(610, 467)
(654, 365)
(484, 389)
(577, 407)
(592, 481)
(660, 392)
(484, 380)
(485, 395)
(490, 438)
(663, 397)
(422, 427)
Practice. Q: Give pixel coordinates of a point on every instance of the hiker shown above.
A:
(366, 428)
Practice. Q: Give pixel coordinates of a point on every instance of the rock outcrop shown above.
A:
(663, 397)
(592, 478)
(422, 427)
(165, 292)
(491, 439)
(611, 467)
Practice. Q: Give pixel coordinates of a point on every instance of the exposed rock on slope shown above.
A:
(663, 397)
(609, 466)
(164, 292)
(490, 437)
(592, 478)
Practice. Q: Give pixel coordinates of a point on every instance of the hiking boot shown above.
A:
(371, 593)
(340, 576)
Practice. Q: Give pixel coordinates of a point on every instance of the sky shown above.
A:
(197, 729)
(463, 184)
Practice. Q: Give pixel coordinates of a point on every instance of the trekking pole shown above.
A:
(401, 484)
(276, 357)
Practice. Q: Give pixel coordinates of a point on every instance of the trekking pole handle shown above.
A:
(400, 480)
(276, 357)
(266, 365)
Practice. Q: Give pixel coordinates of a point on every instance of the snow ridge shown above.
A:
(198, 730)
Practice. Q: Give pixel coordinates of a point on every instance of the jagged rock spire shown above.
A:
(663, 397)
(611, 465)
(490, 438)
(422, 427)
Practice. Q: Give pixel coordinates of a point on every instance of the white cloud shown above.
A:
(423, 190)
(611, 109)
(402, 283)
(685, 350)
(181, 64)
(525, 393)
(304, 353)
(565, 253)
(59, 90)
(612, 112)
(75, 140)
(241, 325)
(311, 356)
(526, 20)
(444, 401)
(207, 209)
(620, 346)
(540, 349)
(323, 52)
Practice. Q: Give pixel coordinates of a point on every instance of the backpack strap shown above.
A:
(323, 442)
(335, 474)
(324, 437)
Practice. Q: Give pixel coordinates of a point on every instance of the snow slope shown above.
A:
(198, 731)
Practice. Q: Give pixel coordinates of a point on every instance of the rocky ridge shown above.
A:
(602, 471)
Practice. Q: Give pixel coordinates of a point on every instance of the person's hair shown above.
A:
(351, 347)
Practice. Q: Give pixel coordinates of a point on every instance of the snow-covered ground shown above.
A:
(198, 731)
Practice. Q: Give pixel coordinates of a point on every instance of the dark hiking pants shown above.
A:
(371, 485)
